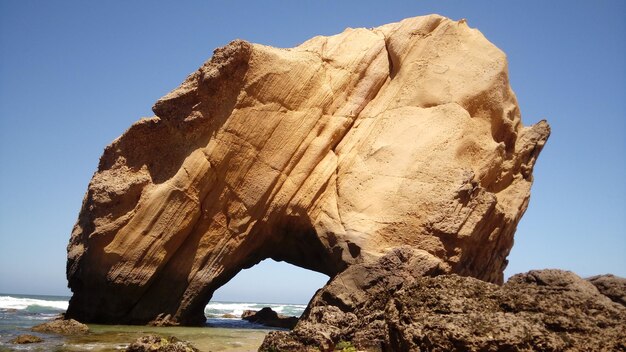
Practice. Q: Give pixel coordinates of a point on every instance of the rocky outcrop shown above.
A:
(62, 327)
(326, 155)
(388, 306)
(268, 317)
(351, 307)
(155, 343)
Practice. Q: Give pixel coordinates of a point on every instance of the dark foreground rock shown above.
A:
(155, 343)
(62, 327)
(269, 317)
(386, 308)
(24, 339)
(611, 286)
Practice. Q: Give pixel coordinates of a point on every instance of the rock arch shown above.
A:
(324, 155)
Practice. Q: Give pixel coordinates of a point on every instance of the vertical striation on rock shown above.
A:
(324, 155)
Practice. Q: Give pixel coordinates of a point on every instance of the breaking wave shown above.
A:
(31, 304)
(212, 310)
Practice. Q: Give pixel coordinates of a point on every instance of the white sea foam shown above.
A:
(8, 302)
(230, 308)
(214, 309)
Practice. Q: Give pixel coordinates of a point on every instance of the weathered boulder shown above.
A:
(325, 155)
(62, 327)
(351, 307)
(155, 343)
(387, 307)
(268, 317)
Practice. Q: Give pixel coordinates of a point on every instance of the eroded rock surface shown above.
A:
(155, 343)
(611, 286)
(62, 327)
(385, 306)
(324, 155)
(25, 339)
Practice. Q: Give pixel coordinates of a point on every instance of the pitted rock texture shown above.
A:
(25, 339)
(611, 286)
(155, 343)
(62, 327)
(325, 155)
(385, 306)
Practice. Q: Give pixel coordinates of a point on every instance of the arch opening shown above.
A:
(283, 287)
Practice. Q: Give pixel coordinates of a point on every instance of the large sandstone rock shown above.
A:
(389, 306)
(324, 155)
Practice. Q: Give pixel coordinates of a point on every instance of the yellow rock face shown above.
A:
(324, 155)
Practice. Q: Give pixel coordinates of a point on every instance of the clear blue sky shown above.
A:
(75, 74)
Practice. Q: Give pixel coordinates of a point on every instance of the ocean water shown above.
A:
(18, 313)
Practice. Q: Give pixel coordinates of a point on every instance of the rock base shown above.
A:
(382, 310)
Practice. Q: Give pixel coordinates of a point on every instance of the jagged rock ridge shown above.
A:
(324, 155)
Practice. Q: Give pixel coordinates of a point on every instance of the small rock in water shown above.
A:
(63, 327)
(155, 343)
(23, 339)
(229, 316)
(268, 317)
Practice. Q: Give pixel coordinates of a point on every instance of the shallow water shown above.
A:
(18, 313)
(117, 337)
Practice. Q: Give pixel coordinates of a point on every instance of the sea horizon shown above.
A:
(221, 300)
